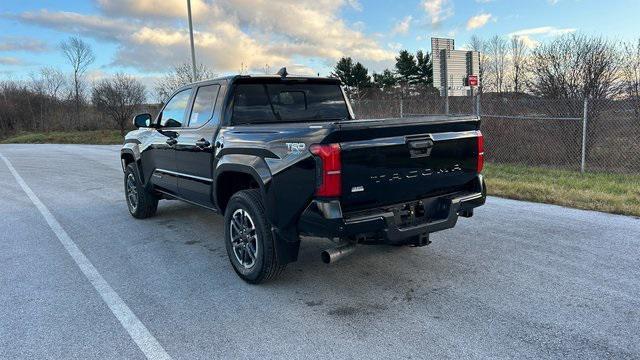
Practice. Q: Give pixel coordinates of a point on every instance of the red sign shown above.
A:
(472, 80)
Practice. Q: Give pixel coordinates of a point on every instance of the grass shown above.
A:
(97, 137)
(613, 193)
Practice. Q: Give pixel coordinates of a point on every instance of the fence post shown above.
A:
(446, 103)
(478, 105)
(584, 135)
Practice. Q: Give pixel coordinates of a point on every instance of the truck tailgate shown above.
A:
(395, 160)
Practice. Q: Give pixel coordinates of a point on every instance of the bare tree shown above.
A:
(180, 75)
(631, 70)
(119, 98)
(575, 66)
(518, 56)
(49, 86)
(79, 55)
(49, 81)
(479, 45)
(497, 50)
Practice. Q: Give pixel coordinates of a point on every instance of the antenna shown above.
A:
(193, 51)
(283, 72)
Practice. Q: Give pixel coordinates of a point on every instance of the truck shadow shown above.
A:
(374, 279)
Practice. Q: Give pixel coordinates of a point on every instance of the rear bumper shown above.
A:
(387, 224)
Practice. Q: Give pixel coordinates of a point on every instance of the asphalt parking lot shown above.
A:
(518, 280)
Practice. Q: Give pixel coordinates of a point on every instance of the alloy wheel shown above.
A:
(132, 193)
(244, 238)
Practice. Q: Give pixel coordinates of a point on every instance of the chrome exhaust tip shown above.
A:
(332, 255)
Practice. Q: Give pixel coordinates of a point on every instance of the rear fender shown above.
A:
(278, 210)
(247, 164)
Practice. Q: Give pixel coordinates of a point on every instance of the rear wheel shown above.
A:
(142, 203)
(248, 238)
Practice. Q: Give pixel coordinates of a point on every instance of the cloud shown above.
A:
(299, 69)
(7, 60)
(151, 34)
(528, 36)
(543, 30)
(528, 41)
(154, 9)
(88, 25)
(355, 4)
(396, 46)
(438, 10)
(22, 43)
(359, 26)
(402, 27)
(478, 21)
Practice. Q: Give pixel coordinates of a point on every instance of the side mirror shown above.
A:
(172, 123)
(142, 120)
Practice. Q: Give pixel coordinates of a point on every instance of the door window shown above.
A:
(173, 113)
(203, 105)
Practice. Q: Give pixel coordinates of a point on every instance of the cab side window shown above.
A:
(203, 105)
(173, 114)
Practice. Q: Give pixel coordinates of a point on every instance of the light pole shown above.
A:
(193, 51)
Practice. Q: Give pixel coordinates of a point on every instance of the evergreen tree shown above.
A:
(386, 80)
(344, 71)
(355, 77)
(360, 76)
(424, 68)
(406, 67)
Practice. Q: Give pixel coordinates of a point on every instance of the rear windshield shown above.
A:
(287, 102)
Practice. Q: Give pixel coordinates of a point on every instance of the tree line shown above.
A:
(573, 66)
(53, 99)
(410, 72)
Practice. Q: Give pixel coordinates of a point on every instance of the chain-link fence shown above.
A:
(533, 131)
(585, 135)
(613, 136)
(411, 106)
(592, 135)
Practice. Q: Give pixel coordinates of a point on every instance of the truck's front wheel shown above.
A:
(248, 238)
(142, 203)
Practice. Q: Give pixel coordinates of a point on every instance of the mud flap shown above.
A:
(287, 243)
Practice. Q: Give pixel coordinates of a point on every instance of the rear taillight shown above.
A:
(330, 177)
(480, 164)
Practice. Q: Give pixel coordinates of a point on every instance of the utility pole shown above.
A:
(193, 51)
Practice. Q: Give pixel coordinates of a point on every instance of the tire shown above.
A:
(141, 202)
(252, 250)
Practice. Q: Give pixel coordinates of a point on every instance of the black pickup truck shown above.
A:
(284, 156)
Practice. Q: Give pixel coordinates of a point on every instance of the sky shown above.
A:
(145, 38)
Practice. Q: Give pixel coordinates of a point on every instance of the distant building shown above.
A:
(452, 68)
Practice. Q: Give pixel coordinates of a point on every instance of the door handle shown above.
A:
(202, 143)
(420, 145)
(172, 141)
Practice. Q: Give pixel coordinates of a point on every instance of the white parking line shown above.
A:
(136, 329)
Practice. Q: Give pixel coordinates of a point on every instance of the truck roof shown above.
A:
(236, 77)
